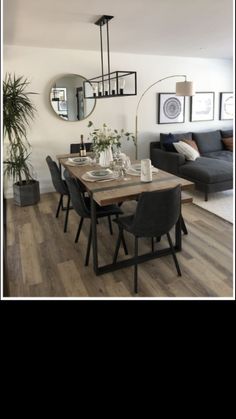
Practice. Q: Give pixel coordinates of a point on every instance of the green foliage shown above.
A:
(18, 111)
(105, 137)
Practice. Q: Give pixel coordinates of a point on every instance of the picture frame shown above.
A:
(226, 106)
(58, 93)
(62, 105)
(171, 108)
(202, 106)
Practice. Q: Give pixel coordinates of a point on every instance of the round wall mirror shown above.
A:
(67, 98)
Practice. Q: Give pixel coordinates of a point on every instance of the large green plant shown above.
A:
(18, 111)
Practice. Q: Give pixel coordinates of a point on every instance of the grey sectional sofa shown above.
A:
(211, 172)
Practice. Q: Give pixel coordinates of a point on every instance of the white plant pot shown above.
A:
(106, 157)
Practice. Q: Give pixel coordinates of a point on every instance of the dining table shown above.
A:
(115, 191)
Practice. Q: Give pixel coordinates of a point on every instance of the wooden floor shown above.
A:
(42, 261)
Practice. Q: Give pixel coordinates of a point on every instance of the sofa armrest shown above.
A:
(167, 161)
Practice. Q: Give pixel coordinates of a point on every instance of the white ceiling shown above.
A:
(195, 28)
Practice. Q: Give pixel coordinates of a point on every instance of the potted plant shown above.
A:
(107, 141)
(18, 111)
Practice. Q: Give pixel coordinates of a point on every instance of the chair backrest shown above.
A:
(57, 181)
(75, 148)
(157, 212)
(76, 196)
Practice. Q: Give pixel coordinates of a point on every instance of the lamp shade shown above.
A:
(184, 88)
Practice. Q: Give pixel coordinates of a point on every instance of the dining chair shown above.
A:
(75, 148)
(81, 205)
(156, 213)
(60, 187)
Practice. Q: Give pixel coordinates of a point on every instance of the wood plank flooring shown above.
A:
(42, 261)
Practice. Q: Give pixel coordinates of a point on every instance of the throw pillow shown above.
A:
(226, 133)
(186, 150)
(168, 143)
(191, 143)
(228, 143)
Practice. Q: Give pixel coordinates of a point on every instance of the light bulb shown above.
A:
(100, 90)
(122, 85)
(113, 87)
(106, 87)
(95, 89)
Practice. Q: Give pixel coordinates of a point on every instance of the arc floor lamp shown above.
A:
(184, 88)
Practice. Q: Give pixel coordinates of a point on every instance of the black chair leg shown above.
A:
(136, 265)
(67, 214)
(206, 196)
(118, 245)
(158, 239)
(173, 254)
(124, 243)
(110, 226)
(59, 206)
(183, 226)
(79, 230)
(88, 246)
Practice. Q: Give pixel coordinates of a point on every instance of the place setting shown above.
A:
(78, 161)
(135, 169)
(100, 175)
(116, 170)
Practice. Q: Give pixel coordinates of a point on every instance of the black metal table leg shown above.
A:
(94, 234)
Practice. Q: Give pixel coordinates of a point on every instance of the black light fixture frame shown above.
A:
(106, 78)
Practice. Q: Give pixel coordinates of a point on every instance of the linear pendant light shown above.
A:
(111, 84)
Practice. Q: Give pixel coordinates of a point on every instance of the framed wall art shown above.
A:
(170, 108)
(62, 105)
(202, 106)
(226, 105)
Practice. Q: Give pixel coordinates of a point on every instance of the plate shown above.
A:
(79, 160)
(136, 167)
(100, 174)
(133, 172)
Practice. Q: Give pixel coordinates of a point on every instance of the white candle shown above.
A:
(146, 170)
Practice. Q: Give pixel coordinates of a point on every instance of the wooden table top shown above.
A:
(105, 193)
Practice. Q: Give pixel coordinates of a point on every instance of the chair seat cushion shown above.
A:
(104, 211)
(207, 170)
(220, 155)
(125, 222)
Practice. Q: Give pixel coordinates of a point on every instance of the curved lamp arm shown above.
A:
(136, 114)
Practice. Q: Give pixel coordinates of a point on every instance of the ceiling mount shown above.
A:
(103, 20)
(113, 83)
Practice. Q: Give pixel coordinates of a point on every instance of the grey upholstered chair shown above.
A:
(81, 205)
(156, 213)
(60, 187)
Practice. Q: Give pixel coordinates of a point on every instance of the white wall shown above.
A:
(51, 135)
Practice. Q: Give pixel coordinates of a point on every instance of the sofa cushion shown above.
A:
(191, 143)
(186, 150)
(208, 141)
(166, 140)
(228, 143)
(207, 170)
(226, 133)
(220, 155)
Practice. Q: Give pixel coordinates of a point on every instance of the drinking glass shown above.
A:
(117, 169)
(125, 166)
